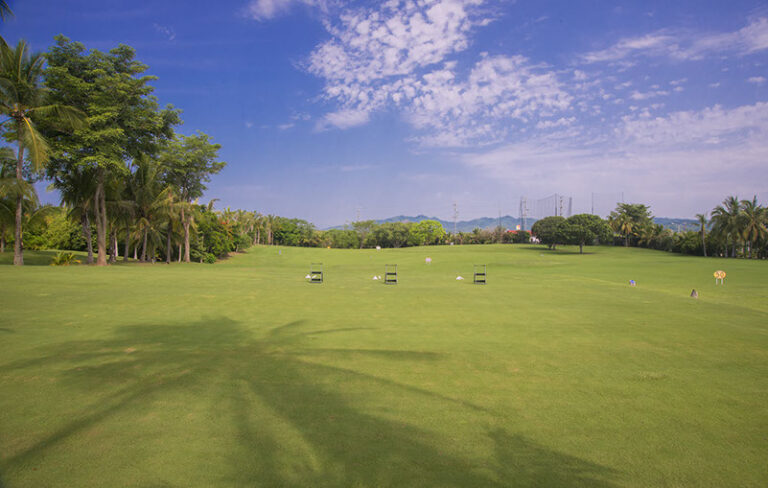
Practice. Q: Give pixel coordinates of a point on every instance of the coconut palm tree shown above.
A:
(166, 207)
(23, 100)
(726, 221)
(703, 229)
(77, 188)
(623, 225)
(753, 223)
(146, 185)
(5, 14)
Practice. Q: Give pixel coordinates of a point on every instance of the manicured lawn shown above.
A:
(557, 373)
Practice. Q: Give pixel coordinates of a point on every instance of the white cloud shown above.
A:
(398, 56)
(285, 126)
(756, 80)
(683, 45)
(692, 154)
(561, 122)
(695, 127)
(345, 119)
(263, 10)
(167, 31)
(636, 95)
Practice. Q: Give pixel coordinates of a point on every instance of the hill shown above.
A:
(510, 222)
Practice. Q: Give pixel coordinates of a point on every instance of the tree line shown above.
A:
(735, 228)
(87, 121)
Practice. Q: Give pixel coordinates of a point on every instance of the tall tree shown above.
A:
(24, 100)
(726, 221)
(5, 14)
(188, 163)
(628, 218)
(702, 219)
(124, 120)
(77, 188)
(753, 223)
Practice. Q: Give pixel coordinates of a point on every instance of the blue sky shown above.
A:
(327, 109)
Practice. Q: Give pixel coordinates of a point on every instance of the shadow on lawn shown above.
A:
(541, 248)
(297, 422)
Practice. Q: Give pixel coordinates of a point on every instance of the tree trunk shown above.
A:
(127, 247)
(704, 244)
(113, 246)
(86, 222)
(18, 256)
(144, 247)
(179, 252)
(101, 220)
(168, 245)
(136, 251)
(2, 239)
(626, 240)
(185, 224)
(581, 247)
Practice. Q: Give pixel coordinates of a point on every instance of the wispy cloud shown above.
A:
(263, 10)
(686, 45)
(756, 80)
(344, 119)
(167, 31)
(692, 152)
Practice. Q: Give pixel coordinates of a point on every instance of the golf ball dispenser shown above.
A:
(390, 274)
(316, 273)
(481, 273)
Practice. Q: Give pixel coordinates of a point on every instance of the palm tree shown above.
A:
(166, 206)
(703, 229)
(146, 186)
(623, 225)
(5, 14)
(23, 99)
(753, 223)
(77, 188)
(726, 222)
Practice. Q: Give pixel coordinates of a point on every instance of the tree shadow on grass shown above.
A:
(297, 420)
(541, 248)
(37, 258)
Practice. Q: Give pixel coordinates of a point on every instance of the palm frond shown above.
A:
(63, 117)
(12, 188)
(5, 11)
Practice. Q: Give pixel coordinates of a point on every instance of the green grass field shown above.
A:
(557, 373)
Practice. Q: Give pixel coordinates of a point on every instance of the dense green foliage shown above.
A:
(738, 228)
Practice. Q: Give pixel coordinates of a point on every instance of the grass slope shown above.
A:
(556, 373)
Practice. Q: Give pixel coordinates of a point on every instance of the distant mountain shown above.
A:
(677, 225)
(509, 222)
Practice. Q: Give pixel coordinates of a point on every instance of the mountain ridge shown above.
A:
(510, 222)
